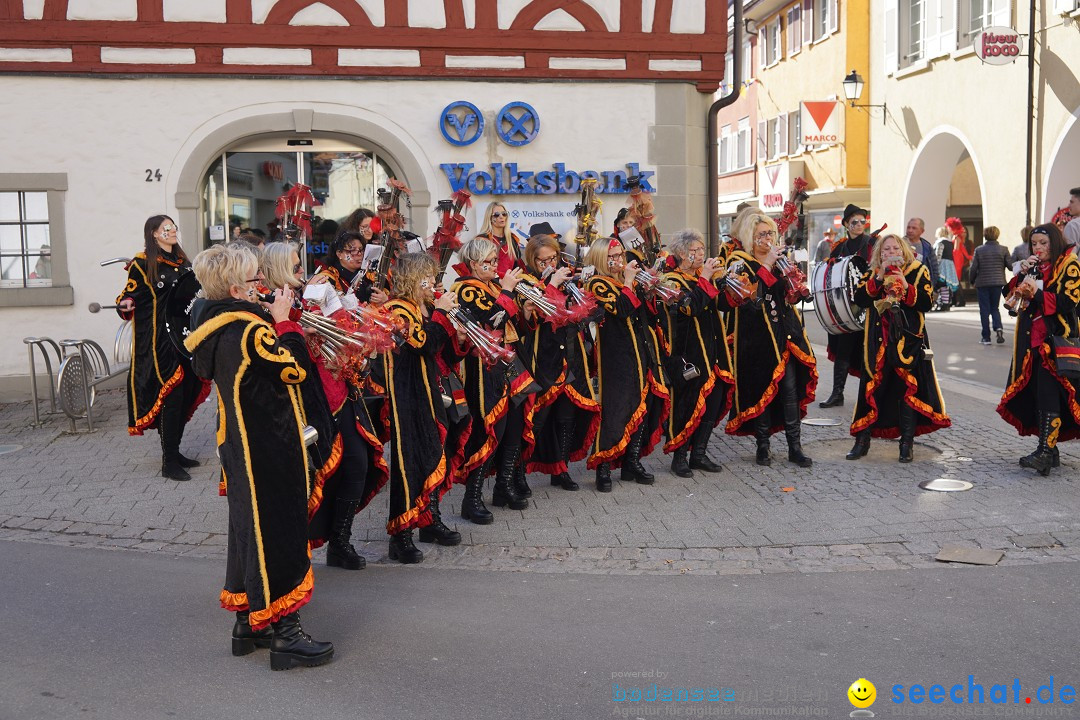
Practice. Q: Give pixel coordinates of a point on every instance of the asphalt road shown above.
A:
(114, 634)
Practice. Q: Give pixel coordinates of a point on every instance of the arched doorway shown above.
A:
(1063, 169)
(297, 143)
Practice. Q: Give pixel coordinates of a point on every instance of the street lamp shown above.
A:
(853, 87)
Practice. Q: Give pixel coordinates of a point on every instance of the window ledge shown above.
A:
(914, 69)
(962, 52)
(37, 296)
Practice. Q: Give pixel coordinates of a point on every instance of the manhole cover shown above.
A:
(946, 485)
(5, 449)
(822, 422)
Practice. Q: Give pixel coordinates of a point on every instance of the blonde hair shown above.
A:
(535, 243)
(942, 233)
(741, 215)
(476, 250)
(598, 256)
(508, 236)
(991, 233)
(277, 265)
(747, 226)
(219, 268)
(409, 271)
(905, 250)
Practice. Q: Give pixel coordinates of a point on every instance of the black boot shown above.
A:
(566, 436)
(505, 494)
(632, 468)
(839, 380)
(793, 431)
(437, 532)
(762, 429)
(472, 505)
(603, 478)
(339, 551)
(861, 446)
(170, 430)
(698, 459)
(403, 550)
(679, 465)
(244, 639)
(186, 462)
(1043, 457)
(292, 646)
(520, 482)
(907, 432)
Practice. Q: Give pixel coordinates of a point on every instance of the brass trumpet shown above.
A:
(487, 344)
(652, 284)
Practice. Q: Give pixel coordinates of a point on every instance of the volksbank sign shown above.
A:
(507, 179)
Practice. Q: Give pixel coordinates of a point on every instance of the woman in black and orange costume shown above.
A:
(246, 352)
(420, 472)
(498, 418)
(566, 415)
(698, 364)
(775, 370)
(898, 393)
(348, 456)
(342, 264)
(162, 391)
(634, 401)
(1038, 399)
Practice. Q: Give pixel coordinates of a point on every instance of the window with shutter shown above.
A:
(834, 15)
(795, 145)
(890, 44)
(794, 29)
(729, 61)
(743, 151)
(763, 45)
(1002, 13)
(762, 140)
(724, 153)
(808, 21)
(781, 135)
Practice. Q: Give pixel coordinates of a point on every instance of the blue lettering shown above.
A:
(613, 181)
(497, 174)
(456, 174)
(999, 694)
(898, 694)
(665, 694)
(634, 695)
(563, 176)
(1016, 690)
(1067, 691)
(1050, 687)
(972, 687)
(917, 694)
(545, 182)
(645, 175)
(475, 186)
(697, 694)
(617, 693)
(650, 693)
(519, 184)
(729, 694)
(680, 694)
(954, 693)
(937, 694)
(713, 695)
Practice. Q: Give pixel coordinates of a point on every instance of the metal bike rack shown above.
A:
(43, 345)
(84, 369)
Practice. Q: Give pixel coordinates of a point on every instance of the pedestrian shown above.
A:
(898, 394)
(1072, 228)
(988, 277)
(240, 345)
(950, 282)
(1021, 252)
(961, 255)
(1037, 393)
(922, 249)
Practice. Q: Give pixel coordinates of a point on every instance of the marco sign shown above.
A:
(998, 45)
(819, 123)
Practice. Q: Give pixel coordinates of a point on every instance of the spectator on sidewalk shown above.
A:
(961, 255)
(1022, 251)
(922, 249)
(988, 277)
(1072, 228)
(943, 248)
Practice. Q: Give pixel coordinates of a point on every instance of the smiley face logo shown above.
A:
(862, 693)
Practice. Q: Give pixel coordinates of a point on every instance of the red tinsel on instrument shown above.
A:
(791, 208)
(446, 239)
(294, 208)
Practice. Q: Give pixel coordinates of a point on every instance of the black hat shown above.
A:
(633, 183)
(854, 210)
(543, 228)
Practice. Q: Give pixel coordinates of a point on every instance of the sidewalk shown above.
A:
(102, 489)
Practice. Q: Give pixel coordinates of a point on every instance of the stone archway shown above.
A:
(1063, 174)
(930, 178)
(207, 144)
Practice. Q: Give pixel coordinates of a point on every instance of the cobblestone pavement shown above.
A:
(103, 489)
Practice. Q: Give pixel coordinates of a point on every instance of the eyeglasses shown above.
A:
(548, 260)
(296, 268)
(766, 235)
(255, 280)
(489, 264)
(699, 252)
(853, 221)
(616, 256)
(498, 214)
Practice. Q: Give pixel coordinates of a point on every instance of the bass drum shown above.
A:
(178, 303)
(833, 284)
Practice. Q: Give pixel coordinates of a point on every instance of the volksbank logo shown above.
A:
(507, 179)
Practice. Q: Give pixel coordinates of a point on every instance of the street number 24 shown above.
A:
(152, 175)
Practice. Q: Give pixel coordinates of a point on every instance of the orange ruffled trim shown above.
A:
(911, 386)
(147, 421)
(1021, 382)
(329, 468)
(381, 467)
(234, 602)
(614, 455)
(419, 515)
(590, 406)
(661, 391)
(479, 457)
(734, 426)
(204, 392)
(695, 417)
(287, 604)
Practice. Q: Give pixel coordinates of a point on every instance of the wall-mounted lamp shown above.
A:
(750, 26)
(853, 87)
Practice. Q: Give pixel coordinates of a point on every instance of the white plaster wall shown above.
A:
(986, 106)
(125, 126)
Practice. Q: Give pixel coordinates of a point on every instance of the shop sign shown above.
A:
(820, 123)
(998, 45)
(773, 181)
(273, 170)
(507, 179)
